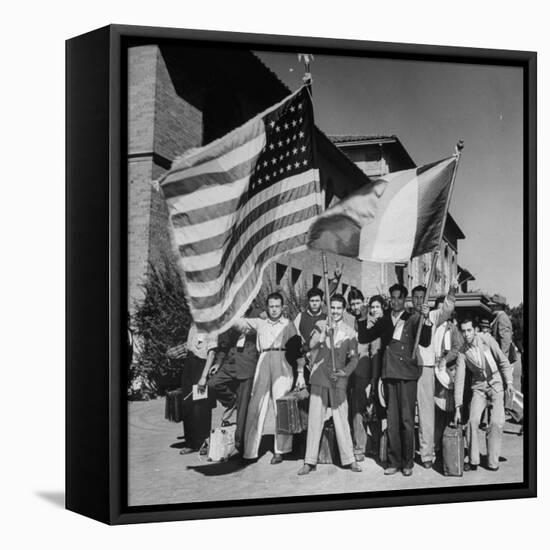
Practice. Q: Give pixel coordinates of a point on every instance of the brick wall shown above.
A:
(161, 125)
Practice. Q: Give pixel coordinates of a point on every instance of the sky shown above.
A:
(430, 106)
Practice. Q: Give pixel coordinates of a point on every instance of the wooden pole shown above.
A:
(308, 83)
(458, 153)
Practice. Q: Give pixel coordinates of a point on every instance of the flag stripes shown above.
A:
(393, 219)
(240, 202)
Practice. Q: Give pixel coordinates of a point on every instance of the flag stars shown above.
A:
(271, 146)
(288, 167)
(286, 125)
(272, 123)
(303, 148)
(292, 108)
(296, 164)
(277, 129)
(275, 174)
(280, 143)
(281, 157)
(304, 162)
(260, 180)
(273, 160)
(299, 105)
(267, 177)
(265, 163)
(294, 151)
(301, 134)
(294, 123)
(281, 169)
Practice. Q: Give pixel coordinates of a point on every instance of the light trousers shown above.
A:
(481, 395)
(426, 413)
(319, 400)
(272, 380)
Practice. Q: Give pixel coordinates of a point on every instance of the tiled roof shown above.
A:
(347, 138)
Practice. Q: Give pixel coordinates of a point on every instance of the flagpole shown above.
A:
(458, 154)
(308, 84)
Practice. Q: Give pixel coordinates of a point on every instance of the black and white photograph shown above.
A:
(325, 274)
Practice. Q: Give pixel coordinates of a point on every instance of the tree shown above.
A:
(161, 321)
(516, 316)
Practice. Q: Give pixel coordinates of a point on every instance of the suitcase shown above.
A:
(221, 444)
(173, 408)
(453, 451)
(328, 449)
(291, 413)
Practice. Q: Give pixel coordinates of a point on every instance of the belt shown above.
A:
(274, 349)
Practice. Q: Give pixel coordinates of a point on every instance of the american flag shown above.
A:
(240, 202)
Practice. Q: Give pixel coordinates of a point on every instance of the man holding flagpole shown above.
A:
(400, 373)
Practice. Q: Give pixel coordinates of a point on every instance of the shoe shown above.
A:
(359, 457)
(276, 459)
(187, 451)
(390, 471)
(428, 464)
(492, 468)
(354, 467)
(470, 467)
(306, 468)
(407, 472)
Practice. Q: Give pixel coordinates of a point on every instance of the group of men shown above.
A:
(342, 362)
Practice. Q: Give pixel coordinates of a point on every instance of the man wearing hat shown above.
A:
(501, 327)
(400, 372)
(485, 326)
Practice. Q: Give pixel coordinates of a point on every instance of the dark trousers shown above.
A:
(231, 391)
(197, 415)
(400, 400)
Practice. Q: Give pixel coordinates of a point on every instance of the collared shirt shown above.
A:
(269, 334)
(200, 343)
(426, 355)
(398, 324)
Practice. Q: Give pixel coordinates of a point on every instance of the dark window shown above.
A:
(316, 280)
(280, 270)
(295, 275)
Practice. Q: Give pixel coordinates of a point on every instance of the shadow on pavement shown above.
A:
(218, 468)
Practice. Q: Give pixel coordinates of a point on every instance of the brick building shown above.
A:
(183, 97)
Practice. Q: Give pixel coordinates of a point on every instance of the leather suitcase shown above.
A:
(173, 408)
(453, 451)
(290, 414)
(328, 449)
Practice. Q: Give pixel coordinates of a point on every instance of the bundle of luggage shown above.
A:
(173, 408)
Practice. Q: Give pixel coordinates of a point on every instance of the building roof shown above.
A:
(357, 139)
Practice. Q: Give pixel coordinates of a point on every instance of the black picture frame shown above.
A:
(96, 221)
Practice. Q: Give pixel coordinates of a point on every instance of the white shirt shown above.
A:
(398, 324)
(269, 334)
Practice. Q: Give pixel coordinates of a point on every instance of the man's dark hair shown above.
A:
(419, 288)
(468, 319)
(355, 294)
(312, 292)
(401, 288)
(338, 298)
(377, 298)
(439, 300)
(275, 296)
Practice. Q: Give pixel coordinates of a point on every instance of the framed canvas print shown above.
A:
(301, 274)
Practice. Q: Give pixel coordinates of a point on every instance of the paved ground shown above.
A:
(158, 474)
